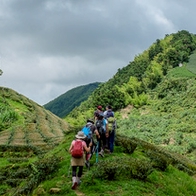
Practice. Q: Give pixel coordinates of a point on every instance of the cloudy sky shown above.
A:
(48, 47)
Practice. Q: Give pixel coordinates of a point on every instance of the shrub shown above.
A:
(126, 167)
(128, 144)
(159, 160)
(140, 169)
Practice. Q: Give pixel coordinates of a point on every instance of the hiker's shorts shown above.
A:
(78, 161)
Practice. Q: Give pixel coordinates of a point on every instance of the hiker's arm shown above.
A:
(87, 149)
(97, 133)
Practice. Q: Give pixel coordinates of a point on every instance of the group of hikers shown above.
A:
(97, 136)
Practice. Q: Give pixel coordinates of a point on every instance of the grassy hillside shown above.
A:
(65, 103)
(169, 118)
(23, 122)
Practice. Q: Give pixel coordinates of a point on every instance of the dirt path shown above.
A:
(79, 193)
(125, 112)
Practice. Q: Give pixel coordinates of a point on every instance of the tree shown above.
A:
(153, 75)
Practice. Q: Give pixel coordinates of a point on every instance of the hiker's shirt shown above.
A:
(78, 161)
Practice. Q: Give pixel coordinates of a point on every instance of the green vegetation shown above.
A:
(23, 122)
(64, 104)
(154, 102)
(131, 84)
(191, 64)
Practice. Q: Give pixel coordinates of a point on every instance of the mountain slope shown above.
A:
(65, 103)
(130, 85)
(162, 97)
(25, 123)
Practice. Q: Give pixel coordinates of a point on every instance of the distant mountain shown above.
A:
(65, 103)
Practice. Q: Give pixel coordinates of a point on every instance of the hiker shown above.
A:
(89, 131)
(80, 160)
(102, 127)
(108, 112)
(109, 115)
(96, 113)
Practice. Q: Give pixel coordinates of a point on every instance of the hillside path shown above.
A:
(79, 193)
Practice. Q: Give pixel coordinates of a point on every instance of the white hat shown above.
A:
(80, 135)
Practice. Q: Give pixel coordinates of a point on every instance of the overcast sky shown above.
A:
(48, 47)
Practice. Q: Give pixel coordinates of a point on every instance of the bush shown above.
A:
(159, 160)
(140, 169)
(125, 167)
(128, 144)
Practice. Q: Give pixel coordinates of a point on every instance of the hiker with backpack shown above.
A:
(77, 150)
(108, 112)
(98, 111)
(102, 127)
(89, 130)
(109, 115)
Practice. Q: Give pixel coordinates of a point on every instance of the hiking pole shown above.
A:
(97, 155)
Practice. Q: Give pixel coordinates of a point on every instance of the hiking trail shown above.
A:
(79, 193)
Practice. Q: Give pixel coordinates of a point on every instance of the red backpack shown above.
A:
(77, 151)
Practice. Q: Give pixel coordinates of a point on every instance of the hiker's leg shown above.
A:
(93, 147)
(112, 135)
(104, 141)
(74, 168)
(80, 171)
(79, 175)
(107, 143)
(74, 180)
(100, 143)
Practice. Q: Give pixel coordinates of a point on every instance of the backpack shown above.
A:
(111, 124)
(109, 114)
(77, 151)
(100, 126)
(87, 131)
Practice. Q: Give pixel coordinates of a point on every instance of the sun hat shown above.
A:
(80, 135)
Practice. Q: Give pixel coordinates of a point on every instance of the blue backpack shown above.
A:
(87, 131)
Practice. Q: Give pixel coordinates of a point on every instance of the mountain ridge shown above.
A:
(63, 104)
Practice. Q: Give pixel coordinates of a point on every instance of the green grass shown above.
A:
(172, 182)
(191, 66)
(183, 71)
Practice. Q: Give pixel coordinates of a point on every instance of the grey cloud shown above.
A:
(51, 46)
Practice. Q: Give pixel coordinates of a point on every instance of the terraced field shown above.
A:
(35, 126)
